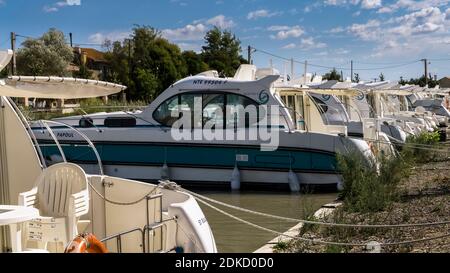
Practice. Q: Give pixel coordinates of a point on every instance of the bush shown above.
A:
(420, 148)
(369, 187)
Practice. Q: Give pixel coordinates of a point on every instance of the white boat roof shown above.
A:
(5, 58)
(56, 87)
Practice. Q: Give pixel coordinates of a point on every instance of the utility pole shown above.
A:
(306, 70)
(13, 48)
(249, 56)
(425, 62)
(70, 35)
(292, 69)
(342, 76)
(351, 70)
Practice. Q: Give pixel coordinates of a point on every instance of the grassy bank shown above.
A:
(413, 187)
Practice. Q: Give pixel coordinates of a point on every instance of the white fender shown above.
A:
(294, 183)
(165, 174)
(235, 179)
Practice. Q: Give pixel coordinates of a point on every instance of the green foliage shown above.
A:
(333, 75)
(381, 77)
(194, 63)
(370, 187)
(357, 79)
(222, 52)
(417, 148)
(420, 81)
(281, 246)
(4, 73)
(146, 63)
(83, 73)
(47, 55)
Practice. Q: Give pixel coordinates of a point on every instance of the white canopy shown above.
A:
(5, 58)
(56, 87)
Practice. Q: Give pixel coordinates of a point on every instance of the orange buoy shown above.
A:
(86, 243)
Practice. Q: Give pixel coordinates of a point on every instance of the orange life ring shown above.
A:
(86, 243)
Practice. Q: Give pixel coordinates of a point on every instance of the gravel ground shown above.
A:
(425, 197)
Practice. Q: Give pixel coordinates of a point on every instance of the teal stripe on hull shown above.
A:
(195, 156)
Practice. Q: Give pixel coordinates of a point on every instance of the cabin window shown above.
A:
(120, 122)
(187, 106)
(213, 111)
(163, 114)
(321, 105)
(236, 117)
(86, 123)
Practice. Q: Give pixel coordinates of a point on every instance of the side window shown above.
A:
(187, 104)
(86, 122)
(213, 110)
(321, 105)
(163, 113)
(236, 117)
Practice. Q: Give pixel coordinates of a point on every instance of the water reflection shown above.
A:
(234, 237)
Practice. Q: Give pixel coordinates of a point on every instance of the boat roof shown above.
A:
(56, 87)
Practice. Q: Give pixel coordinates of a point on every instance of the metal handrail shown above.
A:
(118, 237)
(143, 231)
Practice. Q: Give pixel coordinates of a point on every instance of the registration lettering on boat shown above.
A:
(64, 134)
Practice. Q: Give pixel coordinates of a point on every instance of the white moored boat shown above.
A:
(140, 145)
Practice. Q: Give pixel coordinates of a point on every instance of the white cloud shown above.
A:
(186, 33)
(197, 30)
(221, 21)
(365, 4)
(285, 32)
(370, 4)
(262, 13)
(412, 5)
(341, 51)
(99, 37)
(278, 28)
(56, 6)
(310, 43)
(368, 31)
(306, 44)
(289, 46)
(413, 33)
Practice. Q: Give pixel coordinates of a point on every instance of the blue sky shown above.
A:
(378, 35)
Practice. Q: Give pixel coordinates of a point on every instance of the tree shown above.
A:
(47, 55)
(194, 63)
(420, 81)
(357, 79)
(332, 75)
(381, 77)
(146, 63)
(83, 73)
(222, 52)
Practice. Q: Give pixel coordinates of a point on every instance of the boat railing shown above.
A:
(46, 123)
(144, 233)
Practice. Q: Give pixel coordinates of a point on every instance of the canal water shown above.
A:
(235, 237)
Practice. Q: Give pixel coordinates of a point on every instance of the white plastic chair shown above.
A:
(61, 194)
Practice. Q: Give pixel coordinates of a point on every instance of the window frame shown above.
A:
(202, 93)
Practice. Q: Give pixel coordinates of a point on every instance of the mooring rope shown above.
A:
(315, 241)
(121, 203)
(174, 186)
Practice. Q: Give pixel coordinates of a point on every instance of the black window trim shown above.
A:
(202, 92)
